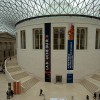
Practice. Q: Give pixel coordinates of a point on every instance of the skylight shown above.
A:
(12, 11)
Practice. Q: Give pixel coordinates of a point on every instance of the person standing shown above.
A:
(87, 97)
(72, 98)
(8, 94)
(12, 93)
(95, 95)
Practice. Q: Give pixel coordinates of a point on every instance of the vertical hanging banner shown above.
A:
(47, 52)
(70, 53)
(70, 50)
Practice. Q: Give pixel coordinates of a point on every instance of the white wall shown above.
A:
(86, 62)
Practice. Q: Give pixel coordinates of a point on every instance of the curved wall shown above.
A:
(86, 62)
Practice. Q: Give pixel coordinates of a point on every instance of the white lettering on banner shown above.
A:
(47, 67)
(71, 46)
(46, 40)
(70, 56)
(47, 53)
(70, 60)
(47, 57)
(47, 63)
(46, 46)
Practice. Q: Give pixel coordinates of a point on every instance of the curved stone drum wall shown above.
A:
(86, 59)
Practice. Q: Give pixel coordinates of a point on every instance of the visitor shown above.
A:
(72, 98)
(87, 97)
(11, 93)
(10, 58)
(8, 94)
(95, 95)
(41, 92)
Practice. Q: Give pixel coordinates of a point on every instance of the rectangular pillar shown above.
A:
(17, 87)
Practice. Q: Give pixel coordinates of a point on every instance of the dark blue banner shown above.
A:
(70, 55)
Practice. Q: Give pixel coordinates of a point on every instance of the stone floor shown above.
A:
(50, 90)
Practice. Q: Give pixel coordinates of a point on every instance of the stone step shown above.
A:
(16, 72)
(89, 85)
(30, 83)
(20, 75)
(13, 69)
(12, 66)
(25, 79)
(95, 82)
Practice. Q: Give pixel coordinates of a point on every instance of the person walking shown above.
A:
(41, 92)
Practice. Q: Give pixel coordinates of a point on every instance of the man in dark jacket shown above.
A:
(8, 94)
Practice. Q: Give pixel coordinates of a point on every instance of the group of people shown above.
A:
(9, 93)
(94, 96)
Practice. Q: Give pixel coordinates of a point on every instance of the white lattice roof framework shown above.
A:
(12, 11)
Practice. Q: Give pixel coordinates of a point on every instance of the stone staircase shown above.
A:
(92, 84)
(19, 76)
(13, 69)
(27, 81)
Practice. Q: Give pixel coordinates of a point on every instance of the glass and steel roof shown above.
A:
(12, 11)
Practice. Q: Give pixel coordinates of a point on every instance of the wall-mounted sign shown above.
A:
(69, 78)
